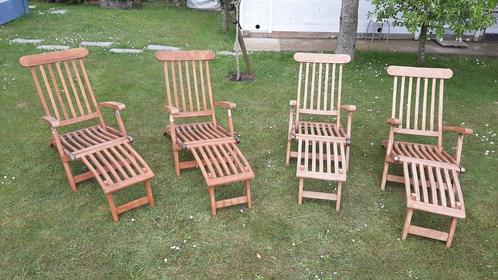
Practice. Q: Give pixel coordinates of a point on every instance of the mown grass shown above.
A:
(47, 231)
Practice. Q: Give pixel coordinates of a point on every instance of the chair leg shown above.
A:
(408, 220)
(347, 158)
(114, 212)
(451, 233)
(176, 157)
(384, 175)
(248, 193)
(300, 192)
(149, 193)
(338, 201)
(287, 157)
(70, 176)
(213, 201)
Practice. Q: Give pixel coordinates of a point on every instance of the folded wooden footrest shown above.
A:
(117, 166)
(221, 162)
(322, 158)
(432, 187)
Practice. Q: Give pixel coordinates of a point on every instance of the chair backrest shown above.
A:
(418, 95)
(188, 81)
(319, 89)
(63, 86)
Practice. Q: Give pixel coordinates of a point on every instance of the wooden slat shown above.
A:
(417, 98)
(339, 95)
(73, 88)
(326, 89)
(421, 72)
(196, 86)
(395, 90)
(313, 86)
(322, 58)
(299, 85)
(49, 91)
(173, 78)
(66, 91)
(401, 99)
(181, 82)
(166, 80)
(82, 88)
(184, 55)
(203, 87)
(424, 105)
(53, 57)
(189, 90)
(440, 115)
(320, 195)
(57, 91)
(409, 105)
(430, 233)
(305, 102)
(433, 100)
(88, 85)
(332, 88)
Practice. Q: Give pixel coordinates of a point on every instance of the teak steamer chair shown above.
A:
(430, 174)
(323, 147)
(214, 148)
(67, 98)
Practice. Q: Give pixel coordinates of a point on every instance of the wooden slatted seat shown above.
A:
(434, 188)
(417, 110)
(421, 151)
(322, 147)
(322, 129)
(187, 133)
(84, 139)
(189, 95)
(67, 98)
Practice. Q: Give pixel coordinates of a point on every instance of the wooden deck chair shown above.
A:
(189, 95)
(323, 147)
(417, 110)
(67, 98)
(430, 173)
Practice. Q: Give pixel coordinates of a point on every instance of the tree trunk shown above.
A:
(244, 53)
(346, 41)
(225, 6)
(421, 44)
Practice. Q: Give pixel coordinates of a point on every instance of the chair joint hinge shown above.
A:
(236, 136)
(130, 138)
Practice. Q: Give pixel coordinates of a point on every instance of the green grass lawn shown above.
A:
(47, 231)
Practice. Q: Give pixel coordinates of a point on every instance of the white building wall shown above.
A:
(307, 16)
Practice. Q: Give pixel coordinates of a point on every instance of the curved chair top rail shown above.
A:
(184, 55)
(53, 57)
(420, 72)
(322, 58)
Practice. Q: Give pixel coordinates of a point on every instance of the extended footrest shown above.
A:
(117, 166)
(322, 158)
(221, 162)
(432, 187)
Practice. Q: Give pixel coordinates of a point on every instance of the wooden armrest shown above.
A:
(53, 122)
(172, 110)
(293, 103)
(458, 129)
(348, 108)
(394, 122)
(225, 104)
(113, 105)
